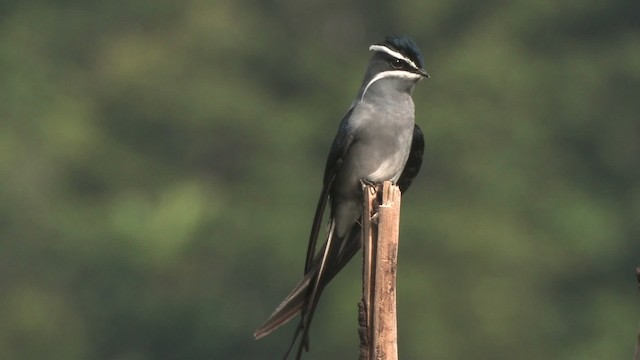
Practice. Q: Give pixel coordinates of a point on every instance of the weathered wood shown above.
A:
(637, 354)
(385, 331)
(378, 336)
(364, 307)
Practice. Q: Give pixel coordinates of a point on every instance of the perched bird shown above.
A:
(377, 141)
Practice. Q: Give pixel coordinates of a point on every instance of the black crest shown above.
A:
(405, 46)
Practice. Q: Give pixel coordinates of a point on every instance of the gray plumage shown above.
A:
(375, 139)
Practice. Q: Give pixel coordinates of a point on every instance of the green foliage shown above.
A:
(160, 163)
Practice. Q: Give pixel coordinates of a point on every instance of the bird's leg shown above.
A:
(372, 187)
(374, 218)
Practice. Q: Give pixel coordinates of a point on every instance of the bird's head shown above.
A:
(397, 58)
(402, 54)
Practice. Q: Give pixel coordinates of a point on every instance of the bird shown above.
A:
(377, 141)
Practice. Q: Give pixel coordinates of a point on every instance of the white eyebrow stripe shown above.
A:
(395, 54)
(392, 73)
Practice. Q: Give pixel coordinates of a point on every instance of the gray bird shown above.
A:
(377, 141)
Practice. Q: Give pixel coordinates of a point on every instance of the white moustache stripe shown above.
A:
(393, 73)
(395, 54)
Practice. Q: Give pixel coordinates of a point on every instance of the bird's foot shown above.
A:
(372, 186)
(374, 218)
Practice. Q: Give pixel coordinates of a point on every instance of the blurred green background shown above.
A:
(160, 163)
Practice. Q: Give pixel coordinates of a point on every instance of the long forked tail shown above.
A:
(288, 309)
(298, 298)
(329, 255)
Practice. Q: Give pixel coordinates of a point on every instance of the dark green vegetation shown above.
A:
(160, 163)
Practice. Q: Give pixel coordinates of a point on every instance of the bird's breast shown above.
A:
(388, 167)
(382, 132)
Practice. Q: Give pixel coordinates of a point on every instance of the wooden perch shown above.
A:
(637, 355)
(377, 310)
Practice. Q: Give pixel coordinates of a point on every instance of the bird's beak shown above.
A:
(423, 73)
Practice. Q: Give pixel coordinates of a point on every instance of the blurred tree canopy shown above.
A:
(160, 163)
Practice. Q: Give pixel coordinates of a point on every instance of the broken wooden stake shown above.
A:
(377, 310)
(637, 354)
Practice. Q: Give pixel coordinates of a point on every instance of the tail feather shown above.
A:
(287, 310)
(316, 289)
(303, 299)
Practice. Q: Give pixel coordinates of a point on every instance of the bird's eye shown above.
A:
(396, 64)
